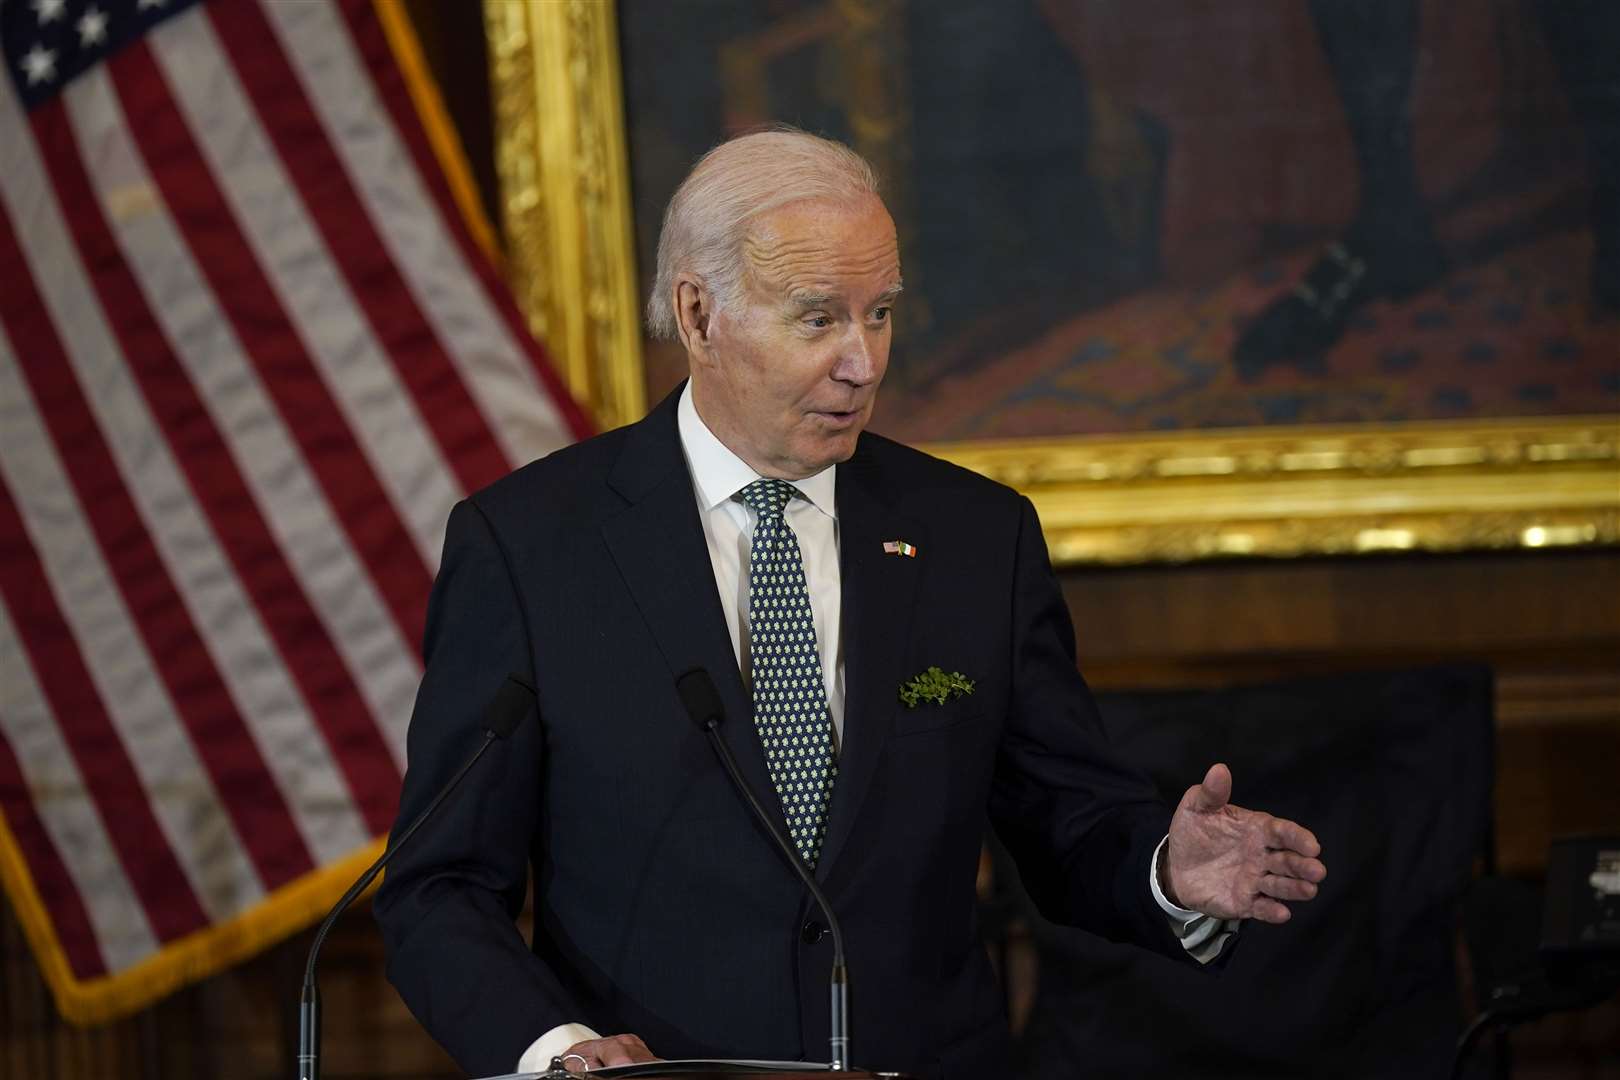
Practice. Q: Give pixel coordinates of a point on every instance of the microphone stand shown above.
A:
(513, 700)
(703, 705)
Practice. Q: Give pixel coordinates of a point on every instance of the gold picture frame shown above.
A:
(1275, 491)
(565, 193)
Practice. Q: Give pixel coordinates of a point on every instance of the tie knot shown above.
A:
(767, 497)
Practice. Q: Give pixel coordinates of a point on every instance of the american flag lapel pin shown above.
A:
(899, 547)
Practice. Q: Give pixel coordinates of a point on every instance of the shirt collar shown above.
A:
(718, 474)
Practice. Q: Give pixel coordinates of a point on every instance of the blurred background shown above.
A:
(1322, 227)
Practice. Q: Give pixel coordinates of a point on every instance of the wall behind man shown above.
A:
(1549, 624)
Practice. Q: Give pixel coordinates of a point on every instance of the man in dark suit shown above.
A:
(748, 527)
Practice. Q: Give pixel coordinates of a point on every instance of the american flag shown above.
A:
(250, 354)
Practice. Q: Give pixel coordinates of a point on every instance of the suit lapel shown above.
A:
(879, 593)
(657, 543)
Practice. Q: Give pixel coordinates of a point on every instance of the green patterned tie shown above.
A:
(790, 697)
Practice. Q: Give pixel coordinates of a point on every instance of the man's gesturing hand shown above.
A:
(601, 1053)
(1234, 863)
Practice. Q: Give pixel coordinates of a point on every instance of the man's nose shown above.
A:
(858, 358)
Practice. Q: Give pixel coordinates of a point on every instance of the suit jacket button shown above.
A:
(813, 932)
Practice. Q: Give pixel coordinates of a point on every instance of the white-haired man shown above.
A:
(894, 657)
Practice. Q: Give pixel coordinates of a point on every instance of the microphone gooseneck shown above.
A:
(508, 708)
(703, 705)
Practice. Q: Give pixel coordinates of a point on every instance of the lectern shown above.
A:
(710, 1070)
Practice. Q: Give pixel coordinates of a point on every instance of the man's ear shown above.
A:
(693, 311)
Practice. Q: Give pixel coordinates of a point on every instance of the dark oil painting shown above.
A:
(1172, 215)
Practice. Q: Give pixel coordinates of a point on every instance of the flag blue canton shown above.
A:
(49, 43)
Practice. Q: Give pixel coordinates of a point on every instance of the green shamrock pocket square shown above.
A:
(935, 685)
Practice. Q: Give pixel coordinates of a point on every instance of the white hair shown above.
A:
(734, 183)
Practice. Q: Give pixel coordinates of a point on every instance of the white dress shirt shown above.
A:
(728, 528)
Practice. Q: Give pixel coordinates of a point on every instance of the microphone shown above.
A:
(703, 705)
(505, 711)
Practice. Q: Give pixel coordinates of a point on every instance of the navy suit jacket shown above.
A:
(660, 905)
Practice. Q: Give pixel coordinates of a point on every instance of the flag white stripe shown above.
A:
(290, 250)
(277, 717)
(345, 598)
(66, 811)
(138, 705)
(496, 370)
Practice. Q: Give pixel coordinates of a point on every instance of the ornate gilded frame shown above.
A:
(1517, 483)
(565, 193)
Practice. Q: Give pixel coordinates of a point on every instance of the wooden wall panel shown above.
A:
(1211, 623)
(1549, 625)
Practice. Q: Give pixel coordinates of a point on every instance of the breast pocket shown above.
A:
(931, 717)
(942, 755)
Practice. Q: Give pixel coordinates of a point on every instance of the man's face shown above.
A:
(787, 375)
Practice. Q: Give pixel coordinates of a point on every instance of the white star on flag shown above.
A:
(40, 64)
(49, 10)
(92, 27)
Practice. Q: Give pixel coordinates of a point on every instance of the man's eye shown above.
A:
(820, 322)
(881, 314)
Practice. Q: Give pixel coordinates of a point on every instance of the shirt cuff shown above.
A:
(1179, 916)
(537, 1058)
(1203, 936)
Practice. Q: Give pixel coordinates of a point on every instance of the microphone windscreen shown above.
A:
(700, 697)
(511, 704)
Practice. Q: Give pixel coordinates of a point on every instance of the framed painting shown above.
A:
(1202, 279)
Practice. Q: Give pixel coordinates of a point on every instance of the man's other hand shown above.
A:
(1234, 863)
(601, 1053)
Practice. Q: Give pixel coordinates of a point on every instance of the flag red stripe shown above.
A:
(346, 225)
(269, 335)
(311, 656)
(57, 892)
(373, 47)
(218, 732)
(149, 863)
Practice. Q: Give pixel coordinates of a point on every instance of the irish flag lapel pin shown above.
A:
(900, 547)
